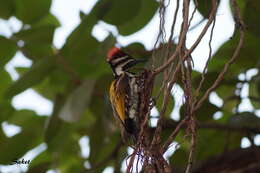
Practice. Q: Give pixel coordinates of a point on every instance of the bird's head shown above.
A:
(119, 61)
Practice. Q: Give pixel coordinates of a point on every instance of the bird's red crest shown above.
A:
(113, 51)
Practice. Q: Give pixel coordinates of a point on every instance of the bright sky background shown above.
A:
(67, 12)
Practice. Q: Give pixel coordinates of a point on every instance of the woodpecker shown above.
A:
(124, 91)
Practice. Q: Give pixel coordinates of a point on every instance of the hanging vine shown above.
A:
(177, 64)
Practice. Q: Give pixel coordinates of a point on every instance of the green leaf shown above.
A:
(137, 50)
(26, 140)
(210, 78)
(241, 4)
(99, 104)
(54, 123)
(25, 118)
(88, 57)
(117, 12)
(56, 83)
(254, 92)
(37, 35)
(37, 73)
(71, 163)
(82, 32)
(213, 142)
(100, 67)
(179, 158)
(5, 81)
(101, 146)
(249, 50)
(204, 7)
(48, 89)
(6, 8)
(82, 56)
(31, 11)
(100, 107)
(170, 105)
(7, 110)
(230, 104)
(142, 17)
(8, 49)
(77, 102)
(37, 51)
(49, 19)
(40, 168)
(206, 111)
(5, 104)
(40, 163)
(245, 119)
(225, 91)
(252, 20)
(16, 146)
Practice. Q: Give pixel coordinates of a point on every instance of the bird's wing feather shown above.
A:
(117, 100)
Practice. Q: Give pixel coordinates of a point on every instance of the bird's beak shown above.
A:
(136, 61)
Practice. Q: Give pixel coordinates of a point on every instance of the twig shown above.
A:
(233, 58)
(173, 135)
(192, 150)
(180, 44)
(208, 60)
(171, 124)
(203, 32)
(161, 33)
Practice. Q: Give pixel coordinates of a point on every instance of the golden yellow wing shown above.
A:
(117, 100)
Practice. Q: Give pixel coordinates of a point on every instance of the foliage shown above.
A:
(76, 79)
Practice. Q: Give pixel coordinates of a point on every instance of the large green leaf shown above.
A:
(5, 81)
(83, 31)
(82, 56)
(48, 89)
(11, 151)
(86, 56)
(179, 158)
(142, 17)
(51, 85)
(37, 35)
(37, 73)
(204, 113)
(159, 103)
(77, 102)
(27, 139)
(8, 49)
(54, 124)
(25, 118)
(38, 39)
(6, 8)
(5, 104)
(63, 144)
(213, 142)
(40, 168)
(248, 51)
(7, 110)
(31, 11)
(117, 12)
(204, 7)
(101, 146)
(251, 19)
(41, 163)
(254, 91)
(245, 119)
(37, 51)
(49, 19)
